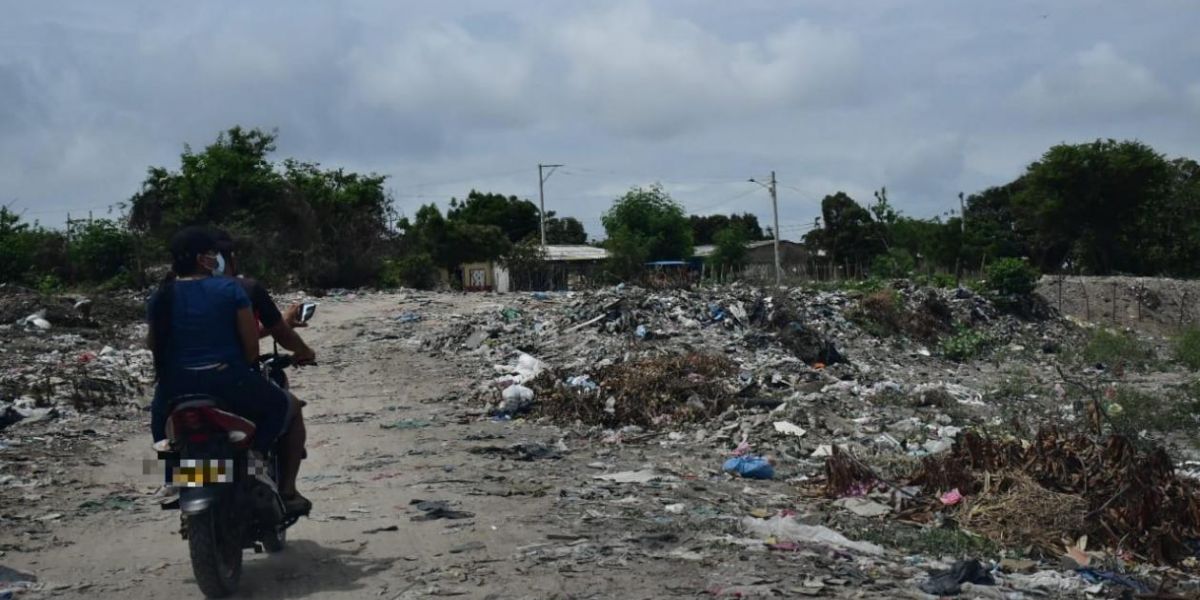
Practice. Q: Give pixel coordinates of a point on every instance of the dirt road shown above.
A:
(386, 428)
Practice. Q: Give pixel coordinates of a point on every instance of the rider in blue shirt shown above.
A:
(205, 340)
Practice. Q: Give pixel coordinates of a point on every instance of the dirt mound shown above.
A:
(71, 311)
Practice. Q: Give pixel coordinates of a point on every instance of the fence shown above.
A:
(1165, 305)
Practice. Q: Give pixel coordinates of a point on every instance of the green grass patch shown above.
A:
(1117, 348)
(933, 541)
(1186, 347)
(964, 345)
(1132, 410)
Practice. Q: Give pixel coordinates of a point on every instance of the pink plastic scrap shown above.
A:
(952, 497)
(741, 449)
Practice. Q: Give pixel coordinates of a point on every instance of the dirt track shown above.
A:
(361, 477)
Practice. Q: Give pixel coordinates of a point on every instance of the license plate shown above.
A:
(195, 472)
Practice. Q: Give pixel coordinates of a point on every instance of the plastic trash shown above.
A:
(750, 467)
(583, 382)
(641, 332)
(1098, 576)
(949, 582)
(540, 296)
(408, 316)
(951, 497)
(787, 529)
(36, 320)
(864, 507)
(516, 398)
(789, 428)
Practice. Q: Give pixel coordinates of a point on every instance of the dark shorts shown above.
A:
(241, 390)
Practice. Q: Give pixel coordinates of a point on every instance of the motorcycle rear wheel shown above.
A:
(216, 560)
(275, 543)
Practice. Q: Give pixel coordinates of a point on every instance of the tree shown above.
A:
(450, 243)
(991, 225)
(1091, 205)
(518, 219)
(648, 217)
(564, 230)
(705, 228)
(320, 227)
(730, 251)
(849, 234)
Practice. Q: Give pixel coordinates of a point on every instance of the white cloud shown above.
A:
(443, 73)
(1095, 82)
(652, 75)
(1193, 95)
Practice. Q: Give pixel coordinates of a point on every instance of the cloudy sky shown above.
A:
(925, 97)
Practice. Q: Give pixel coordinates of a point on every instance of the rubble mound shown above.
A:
(647, 392)
(1133, 499)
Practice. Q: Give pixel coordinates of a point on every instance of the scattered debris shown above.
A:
(646, 476)
(787, 529)
(949, 582)
(438, 509)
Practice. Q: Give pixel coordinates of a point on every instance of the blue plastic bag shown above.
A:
(750, 467)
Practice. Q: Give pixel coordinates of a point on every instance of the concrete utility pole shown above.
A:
(775, 209)
(542, 196)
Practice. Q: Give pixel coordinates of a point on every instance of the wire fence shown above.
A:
(1166, 304)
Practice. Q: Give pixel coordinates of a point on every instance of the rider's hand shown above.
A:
(291, 316)
(306, 356)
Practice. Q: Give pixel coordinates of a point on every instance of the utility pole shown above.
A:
(542, 196)
(775, 209)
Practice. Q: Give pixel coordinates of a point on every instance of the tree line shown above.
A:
(1097, 208)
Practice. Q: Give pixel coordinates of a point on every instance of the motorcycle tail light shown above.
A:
(190, 420)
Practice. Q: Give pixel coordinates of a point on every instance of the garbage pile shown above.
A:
(63, 354)
(788, 350)
(646, 392)
(1038, 493)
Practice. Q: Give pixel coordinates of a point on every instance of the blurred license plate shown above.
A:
(195, 472)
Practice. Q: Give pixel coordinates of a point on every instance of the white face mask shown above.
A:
(219, 270)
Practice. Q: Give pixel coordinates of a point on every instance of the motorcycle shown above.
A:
(228, 498)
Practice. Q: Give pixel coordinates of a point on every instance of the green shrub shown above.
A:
(99, 250)
(414, 271)
(937, 280)
(896, 263)
(965, 345)
(1132, 410)
(1116, 348)
(48, 285)
(1187, 348)
(1012, 276)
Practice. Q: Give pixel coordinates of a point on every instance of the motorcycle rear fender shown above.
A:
(196, 500)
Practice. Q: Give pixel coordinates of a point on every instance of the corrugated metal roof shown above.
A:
(567, 253)
(707, 249)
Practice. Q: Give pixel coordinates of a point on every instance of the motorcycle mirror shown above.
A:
(307, 311)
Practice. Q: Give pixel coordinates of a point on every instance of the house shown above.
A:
(566, 267)
(762, 252)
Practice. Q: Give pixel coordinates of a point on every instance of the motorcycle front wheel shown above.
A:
(216, 559)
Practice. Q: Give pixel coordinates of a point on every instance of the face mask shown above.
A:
(220, 268)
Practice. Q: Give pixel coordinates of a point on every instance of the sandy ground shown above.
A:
(361, 477)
